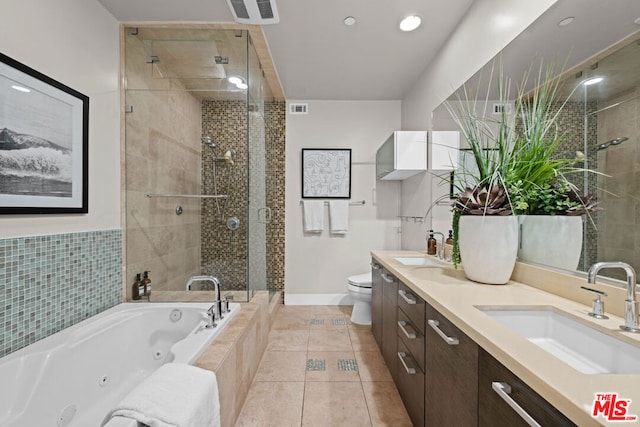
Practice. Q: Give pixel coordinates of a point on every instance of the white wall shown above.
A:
(485, 30)
(317, 266)
(77, 43)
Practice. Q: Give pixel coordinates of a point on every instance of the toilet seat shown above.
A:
(359, 289)
(361, 280)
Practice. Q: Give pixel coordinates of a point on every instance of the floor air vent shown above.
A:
(259, 12)
(298, 108)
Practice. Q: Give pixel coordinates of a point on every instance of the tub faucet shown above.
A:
(440, 251)
(215, 311)
(631, 304)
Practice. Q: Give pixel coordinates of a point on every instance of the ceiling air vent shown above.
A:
(259, 12)
(298, 108)
(501, 108)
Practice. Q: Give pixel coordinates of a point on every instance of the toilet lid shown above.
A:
(361, 280)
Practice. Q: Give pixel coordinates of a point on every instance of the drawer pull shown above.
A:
(404, 296)
(387, 278)
(375, 266)
(435, 325)
(410, 370)
(410, 335)
(504, 390)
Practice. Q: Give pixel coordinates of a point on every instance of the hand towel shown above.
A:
(339, 216)
(313, 215)
(175, 395)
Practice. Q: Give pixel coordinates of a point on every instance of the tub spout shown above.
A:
(215, 312)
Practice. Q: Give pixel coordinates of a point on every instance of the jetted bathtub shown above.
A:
(74, 377)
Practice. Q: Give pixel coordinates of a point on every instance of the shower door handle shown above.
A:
(267, 215)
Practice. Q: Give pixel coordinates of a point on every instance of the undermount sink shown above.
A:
(419, 261)
(584, 348)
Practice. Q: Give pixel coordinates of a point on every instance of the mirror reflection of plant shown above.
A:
(517, 168)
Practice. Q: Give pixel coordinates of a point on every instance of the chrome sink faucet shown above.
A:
(215, 311)
(440, 252)
(631, 304)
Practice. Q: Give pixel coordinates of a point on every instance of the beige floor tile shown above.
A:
(282, 366)
(372, 367)
(362, 338)
(290, 322)
(385, 405)
(288, 340)
(329, 339)
(332, 371)
(273, 404)
(335, 404)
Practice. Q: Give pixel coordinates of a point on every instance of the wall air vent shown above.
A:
(501, 108)
(298, 108)
(258, 12)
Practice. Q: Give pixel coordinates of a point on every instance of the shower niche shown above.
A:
(204, 135)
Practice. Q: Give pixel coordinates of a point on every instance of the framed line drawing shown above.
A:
(326, 173)
(44, 141)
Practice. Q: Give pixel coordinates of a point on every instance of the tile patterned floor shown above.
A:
(321, 370)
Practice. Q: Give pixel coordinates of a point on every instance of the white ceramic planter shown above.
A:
(488, 247)
(553, 240)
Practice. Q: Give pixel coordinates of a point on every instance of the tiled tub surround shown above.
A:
(236, 353)
(50, 282)
(95, 363)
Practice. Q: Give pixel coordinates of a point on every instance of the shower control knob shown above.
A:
(233, 223)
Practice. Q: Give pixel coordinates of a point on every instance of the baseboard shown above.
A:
(317, 299)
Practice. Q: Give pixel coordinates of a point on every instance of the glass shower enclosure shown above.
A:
(196, 143)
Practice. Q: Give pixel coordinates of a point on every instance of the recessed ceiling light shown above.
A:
(20, 88)
(235, 80)
(592, 81)
(410, 23)
(349, 21)
(241, 85)
(566, 21)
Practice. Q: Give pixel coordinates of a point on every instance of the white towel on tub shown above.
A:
(313, 215)
(339, 216)
(175, 395)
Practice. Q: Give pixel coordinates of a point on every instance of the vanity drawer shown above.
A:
(412, 305)
(410, 383)
(411, 337)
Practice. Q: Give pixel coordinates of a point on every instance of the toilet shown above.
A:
(360, 290)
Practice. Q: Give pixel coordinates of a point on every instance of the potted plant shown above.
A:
(515, 172)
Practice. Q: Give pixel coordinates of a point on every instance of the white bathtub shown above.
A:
(73, 378)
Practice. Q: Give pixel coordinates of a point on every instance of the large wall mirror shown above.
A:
(601, 125)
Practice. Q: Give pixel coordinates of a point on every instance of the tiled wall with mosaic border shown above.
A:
(51, 282)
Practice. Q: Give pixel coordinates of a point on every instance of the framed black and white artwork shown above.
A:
(44, 140)
(326, 173)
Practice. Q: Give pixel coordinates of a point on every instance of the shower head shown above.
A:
(615, 141)
(207, 140)
(230, 156)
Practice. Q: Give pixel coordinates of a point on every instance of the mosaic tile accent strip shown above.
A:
(51, 282)
(340, 321)
(316, 321)
(316, 365)
(349, 365)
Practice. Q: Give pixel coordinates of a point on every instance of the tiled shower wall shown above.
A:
(224, 251)
(619, 219)
(51, 282)
(162, 157)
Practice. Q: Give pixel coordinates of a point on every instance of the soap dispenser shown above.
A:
(449, 240)
(146, 281)
(432, 244)
(135, 288)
